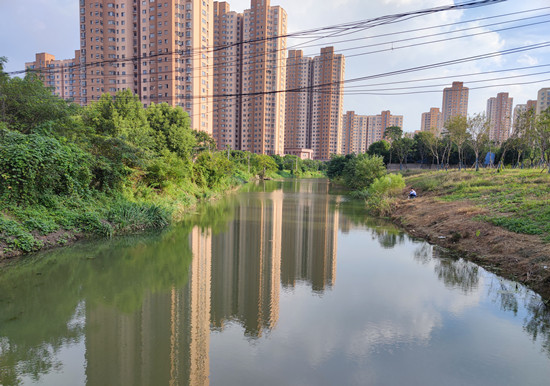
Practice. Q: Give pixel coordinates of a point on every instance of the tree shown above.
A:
(381, 148)
(421, 144)
(172, 129)
(392, 133)
(542, 135)
(403, 147)
(362, 170)
(458, 134)
(26, 104)
(478, 130)
(121, 116)
(264, 164)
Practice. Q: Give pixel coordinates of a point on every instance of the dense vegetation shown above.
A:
(108, 168)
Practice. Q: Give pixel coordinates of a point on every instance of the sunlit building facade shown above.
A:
(499, 114)
(455, 101)
(377, 124)
(354, 133)
(61, 76)
(432, 120)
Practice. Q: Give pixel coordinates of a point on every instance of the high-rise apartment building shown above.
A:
(298, 101)
(160, 50)
(327, 104)
(455, 101)
(314, 103)
(499, 114)
(264, 58)
(543, 100)
(61, 76)
(377, 124)
(354, 133)
(228, 36)
(432, 120)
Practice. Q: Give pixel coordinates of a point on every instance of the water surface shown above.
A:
(281, 283)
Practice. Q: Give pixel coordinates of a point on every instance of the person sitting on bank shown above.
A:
(412, 193)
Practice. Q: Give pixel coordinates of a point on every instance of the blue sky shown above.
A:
(52, 26)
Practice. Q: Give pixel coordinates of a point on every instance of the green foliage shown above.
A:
(130, 216)
(337, 164)
(26, 104)
(33, 166)
(382, 192)
(517, 200)
(172, 129)
(121, 116)
(15, 236)
(362, 170)
(263, 165)
(210, 169)
(381, 148)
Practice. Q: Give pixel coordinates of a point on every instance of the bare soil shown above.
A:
(523, 258)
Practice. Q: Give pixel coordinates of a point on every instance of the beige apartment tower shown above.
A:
(499, 114)
(543, 100)
(432, 120)
(158, 49)
(377, 124)
(61, 76)
(455, 101)
(298, 101)
(228, 36)
(354, 133)
(327, 104)
(263, 102)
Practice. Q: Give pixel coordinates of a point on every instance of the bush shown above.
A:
(362, 170)
(34, 166)
(381, 193)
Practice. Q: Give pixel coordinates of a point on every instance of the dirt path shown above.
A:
(522, 258)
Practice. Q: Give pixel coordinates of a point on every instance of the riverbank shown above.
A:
(498, 220)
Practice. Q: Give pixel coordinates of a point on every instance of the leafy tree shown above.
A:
(171, 126)
(421, 146)
(362, 170)
(542, 135)
(457, 128)
(26, 104)
(381, 148)
(121, 116)
(478, 130)
(337, 164)
(392, 133)
(264, 164)
(403, 147)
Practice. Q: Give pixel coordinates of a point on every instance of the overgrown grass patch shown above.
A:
(518, 200)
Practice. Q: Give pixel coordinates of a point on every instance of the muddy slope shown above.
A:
(522, 258)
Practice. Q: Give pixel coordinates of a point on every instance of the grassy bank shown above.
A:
(516, 200)
(28, 228)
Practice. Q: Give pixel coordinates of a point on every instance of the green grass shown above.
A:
(518, 200)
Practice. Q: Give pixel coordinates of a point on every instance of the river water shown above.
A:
(282, 283)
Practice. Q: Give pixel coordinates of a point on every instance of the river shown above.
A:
(282, 283)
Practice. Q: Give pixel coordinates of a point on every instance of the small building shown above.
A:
(300, 152)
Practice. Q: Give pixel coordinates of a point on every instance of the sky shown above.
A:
(31, 26)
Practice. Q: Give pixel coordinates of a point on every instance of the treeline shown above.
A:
(464, 142)
(111, 167)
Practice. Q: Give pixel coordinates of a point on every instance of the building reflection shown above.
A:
(166, 341)
(309, 238)
(273, 238)
(247, 266)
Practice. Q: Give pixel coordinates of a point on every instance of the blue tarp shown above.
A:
(489, 159)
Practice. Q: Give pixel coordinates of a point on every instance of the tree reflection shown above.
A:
(40, 297)
(455, 272)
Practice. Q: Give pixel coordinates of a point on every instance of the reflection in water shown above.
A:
(142, 308)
